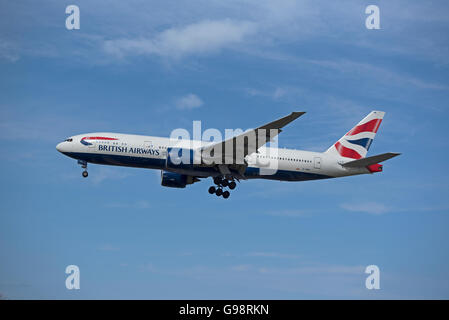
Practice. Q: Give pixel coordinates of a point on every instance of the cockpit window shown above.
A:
(69, 140)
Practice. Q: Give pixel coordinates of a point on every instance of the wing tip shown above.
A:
(297, 113)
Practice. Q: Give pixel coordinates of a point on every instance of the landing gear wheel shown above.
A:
(85, 174)
(217, 181)
(224, 183)
(226, 194)
(219, 192)
(232, 185)
(212, 190)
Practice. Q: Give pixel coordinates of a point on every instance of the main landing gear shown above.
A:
(84, 166)
(222, 183)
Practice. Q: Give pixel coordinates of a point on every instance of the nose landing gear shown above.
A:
(222, 183)
(84, 166)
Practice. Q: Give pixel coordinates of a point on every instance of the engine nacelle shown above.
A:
(173, 179)
(176, 180)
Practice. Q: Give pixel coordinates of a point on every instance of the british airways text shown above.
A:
(153, 152)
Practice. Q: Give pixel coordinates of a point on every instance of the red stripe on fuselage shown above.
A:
(370, 126)
(346, 152)
(98, 138)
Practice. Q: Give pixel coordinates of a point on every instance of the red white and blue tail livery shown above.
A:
(233, 160)
(355, 144)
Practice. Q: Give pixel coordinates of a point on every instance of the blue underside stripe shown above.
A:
(152, 163)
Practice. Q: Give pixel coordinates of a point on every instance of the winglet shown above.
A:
(282, 122)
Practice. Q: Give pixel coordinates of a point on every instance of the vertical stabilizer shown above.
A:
(355, 144)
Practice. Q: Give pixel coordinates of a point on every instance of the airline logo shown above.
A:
(355, 144)
(87, 143)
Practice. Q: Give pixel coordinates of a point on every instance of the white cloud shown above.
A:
(149, 267)
(317, 270)
(368, 207)
(208, 26)
(350, 69)
(275, 94)
(190, 101)
(241, 267)
(288, 213)
(198, 38)
(371, 70)
(274, 255)
(263, 254)
(8, 51)
(105, 173)
(279, 92)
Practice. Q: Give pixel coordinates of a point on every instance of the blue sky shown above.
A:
(148, 67)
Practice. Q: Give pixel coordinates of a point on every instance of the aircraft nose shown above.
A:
(59, 146)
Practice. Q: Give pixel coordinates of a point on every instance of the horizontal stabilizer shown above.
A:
(364, 162)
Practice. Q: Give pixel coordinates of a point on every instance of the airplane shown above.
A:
(242, 157)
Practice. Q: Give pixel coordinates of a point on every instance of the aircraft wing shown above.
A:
(235, 149)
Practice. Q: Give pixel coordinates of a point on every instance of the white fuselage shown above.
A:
(151, 152)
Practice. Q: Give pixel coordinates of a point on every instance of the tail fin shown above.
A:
(355, 144)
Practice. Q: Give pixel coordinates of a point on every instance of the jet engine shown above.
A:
(176, 180)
